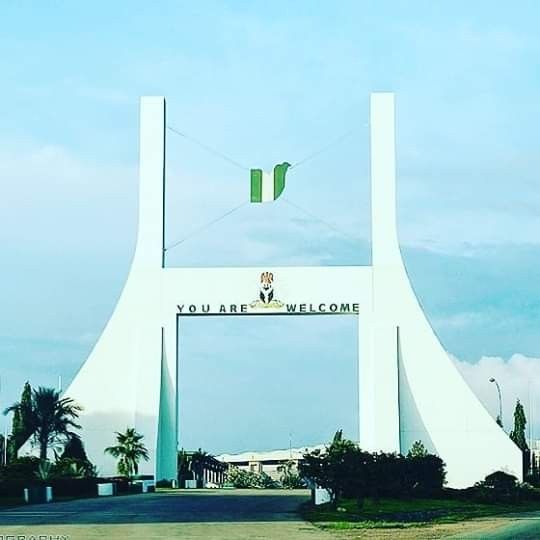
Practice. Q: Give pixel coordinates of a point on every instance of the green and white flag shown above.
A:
(265, 187)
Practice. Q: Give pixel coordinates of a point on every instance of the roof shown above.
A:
(270, 455)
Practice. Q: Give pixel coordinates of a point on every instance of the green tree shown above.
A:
(417, 450)
(347, 471)
(47, 418)
(74, 449)
(242, 479)
(342, 468)
(518, 434)
(247, 479)
(520, 424)
(73, 461)
(265, 481)
(21, 424)
(129, 451)
(290, 479)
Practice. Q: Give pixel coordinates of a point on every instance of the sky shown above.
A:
(264, 83)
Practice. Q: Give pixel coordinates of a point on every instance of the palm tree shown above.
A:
(129, 451)
(48, 417)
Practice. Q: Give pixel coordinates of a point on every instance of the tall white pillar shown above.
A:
(151, 232)
(383, 378)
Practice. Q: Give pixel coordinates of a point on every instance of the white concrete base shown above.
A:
(322, 496)
(147, 485)
(46, 494)
(105, 490)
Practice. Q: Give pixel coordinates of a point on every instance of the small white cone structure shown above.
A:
(409, 387)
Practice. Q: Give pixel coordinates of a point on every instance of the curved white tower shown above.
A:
(418, 392)
(409, 388)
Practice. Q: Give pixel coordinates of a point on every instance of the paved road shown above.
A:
(193, 514)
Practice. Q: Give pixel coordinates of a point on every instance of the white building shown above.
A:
(267, 462)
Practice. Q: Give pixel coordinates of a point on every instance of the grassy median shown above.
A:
(403, 513)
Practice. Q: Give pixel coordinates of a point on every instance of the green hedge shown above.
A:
(347, 471)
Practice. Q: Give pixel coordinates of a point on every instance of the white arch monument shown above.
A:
(409, 387)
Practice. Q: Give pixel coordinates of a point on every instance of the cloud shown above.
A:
(459, 320)
(518, 377)
(54, 199)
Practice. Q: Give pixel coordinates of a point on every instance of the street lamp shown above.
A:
(499, 417)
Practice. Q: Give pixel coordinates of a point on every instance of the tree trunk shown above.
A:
(43, 449)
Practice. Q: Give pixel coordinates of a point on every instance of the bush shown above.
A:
(292, 481)
(73, 487)
(501, 481)
(31, 468)
(15, 487)
(347, 471)
(241, 479)
(266, 482)
(164, 484)
(21, 468)
(500, 487)
(74, 468)
(427, 474)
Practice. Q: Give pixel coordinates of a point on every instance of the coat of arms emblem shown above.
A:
(266, 293)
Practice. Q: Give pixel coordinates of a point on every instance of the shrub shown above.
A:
(14, 487)
(427, 474)
(292, 481)
(45, 470)
(74, 468)
(266, 482)
(241, 479)
(73, 487)
(164, 484)
(499, 487)
(388, 475)
(417, 450)
(501, 480)
(347, 471)
(343, 469)
(74, 449)
(21, 468)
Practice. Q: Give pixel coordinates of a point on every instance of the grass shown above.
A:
(404, 513)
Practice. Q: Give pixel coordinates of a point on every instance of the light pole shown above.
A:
(499, 417)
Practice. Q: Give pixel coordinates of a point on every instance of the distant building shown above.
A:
(266, 462)
(200, 470)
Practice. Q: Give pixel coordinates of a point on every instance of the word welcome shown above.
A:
(200, 309)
